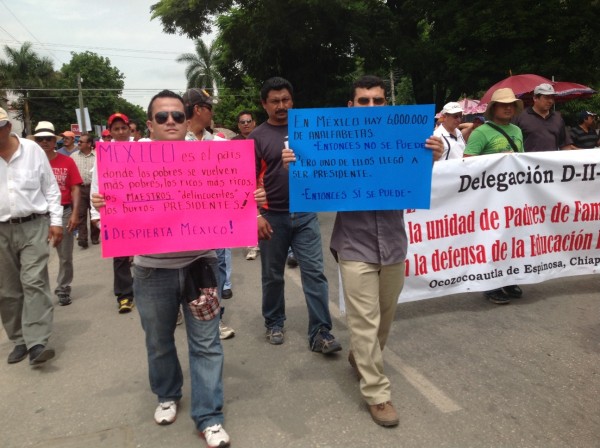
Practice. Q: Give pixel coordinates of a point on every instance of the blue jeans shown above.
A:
(301, 232)
(158, 294)
(224, 257)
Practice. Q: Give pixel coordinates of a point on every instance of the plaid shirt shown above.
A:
(84, 165)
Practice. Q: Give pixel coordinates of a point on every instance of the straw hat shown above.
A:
(44, 129)
(504, 96)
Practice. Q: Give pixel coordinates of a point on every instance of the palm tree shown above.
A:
(201, 70)
(24, 69)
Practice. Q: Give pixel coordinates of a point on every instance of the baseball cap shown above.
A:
(68, 134)
(452, 108)
(106, 133)
(117, 116)
(584, 114)
(197, 96)
(3, 118)
(544, 89)
(44, 129)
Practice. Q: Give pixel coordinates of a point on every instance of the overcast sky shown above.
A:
(120, 30)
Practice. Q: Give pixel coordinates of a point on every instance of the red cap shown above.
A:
(117, 116)
(68, 134)
(105, 133)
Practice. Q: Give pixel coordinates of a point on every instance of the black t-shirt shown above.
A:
(268, 144)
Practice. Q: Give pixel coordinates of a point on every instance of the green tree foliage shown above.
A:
(191, 17)
(24, 69)
(455, 47)
(233, 101)
(201, 70)
(444, 48)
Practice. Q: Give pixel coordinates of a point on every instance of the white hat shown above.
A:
(544, 89)
(3, 118)
(452, 108)
(44, 129)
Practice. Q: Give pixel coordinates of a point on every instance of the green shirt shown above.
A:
(487, 140)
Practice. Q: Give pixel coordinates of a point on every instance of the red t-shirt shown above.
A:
(67, 175)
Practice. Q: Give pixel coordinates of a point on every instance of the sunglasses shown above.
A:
(44, 139)
(245, 121)
(162, 117)
(378, 101)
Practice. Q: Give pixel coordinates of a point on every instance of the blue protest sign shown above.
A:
(360, 158)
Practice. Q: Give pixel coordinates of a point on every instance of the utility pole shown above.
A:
(81, 111)
(392, 87)
(26, 117)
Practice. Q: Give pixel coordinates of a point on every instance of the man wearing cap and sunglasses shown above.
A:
(448, 131)
(27, 200)
(499, 135)
(246, 124)
(69, 181)
(198, 111)
(69, 146)
(543, 128)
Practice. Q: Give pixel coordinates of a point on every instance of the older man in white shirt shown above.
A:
(454, 142)
(28, 194)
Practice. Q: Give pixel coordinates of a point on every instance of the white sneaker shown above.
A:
(225, 332)
(216, 437)
(252, 253)
(166, 413)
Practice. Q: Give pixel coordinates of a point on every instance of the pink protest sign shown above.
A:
(164, 196)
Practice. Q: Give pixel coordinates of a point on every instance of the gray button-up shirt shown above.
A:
(375, 237)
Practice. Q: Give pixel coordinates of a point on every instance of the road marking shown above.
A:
(435, 396)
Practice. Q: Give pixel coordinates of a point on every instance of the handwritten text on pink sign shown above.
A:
(164, 196)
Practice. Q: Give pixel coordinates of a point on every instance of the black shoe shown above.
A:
(83, 244)
(497, 296)
(227, 294)
(94, 242)
(64, 299)
(291, 261)
(40, 354)
(18, 354)
(513, 291)
(324, 342)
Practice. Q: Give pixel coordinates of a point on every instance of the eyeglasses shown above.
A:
(44, 139)
(162, 117)
(364, 101)
(81, 142)
(245, 121)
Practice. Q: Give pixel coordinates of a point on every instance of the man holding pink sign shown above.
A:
(165, 281)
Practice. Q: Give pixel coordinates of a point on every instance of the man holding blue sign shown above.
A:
(279, 229)
(370, 247)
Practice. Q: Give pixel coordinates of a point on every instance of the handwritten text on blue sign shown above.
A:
(360, 158)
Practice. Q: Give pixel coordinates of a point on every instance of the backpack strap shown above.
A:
(501, 131)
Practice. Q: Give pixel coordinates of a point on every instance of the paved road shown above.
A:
(465, 373)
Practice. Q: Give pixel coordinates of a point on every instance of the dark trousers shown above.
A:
(123, 282)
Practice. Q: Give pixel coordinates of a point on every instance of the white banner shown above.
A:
(505, 219)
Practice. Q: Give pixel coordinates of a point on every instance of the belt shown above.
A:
(23, 219)
(66, 206)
